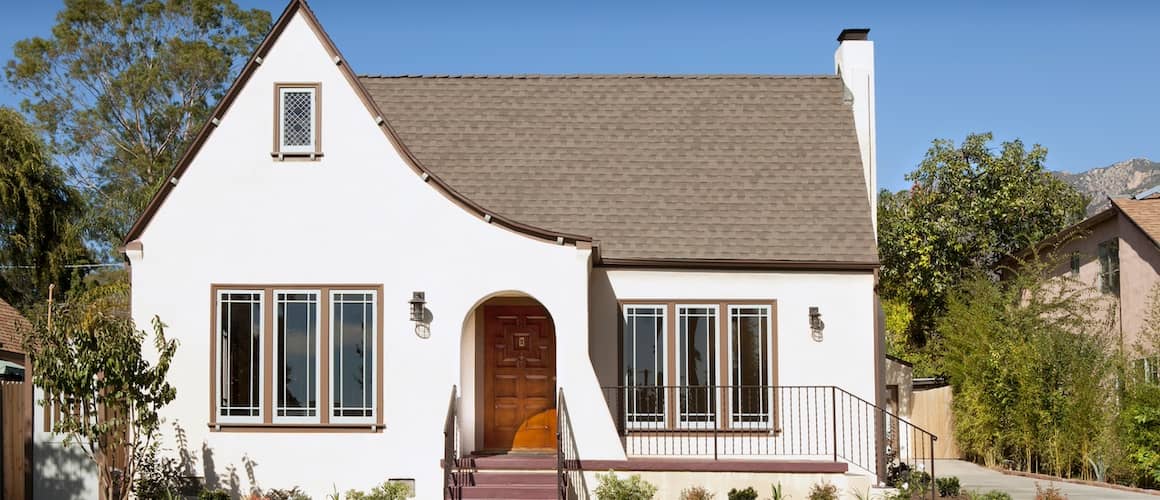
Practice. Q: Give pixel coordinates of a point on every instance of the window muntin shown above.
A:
(749, 366)
(697, 364)
(352, 351)
(296, 338)
(644, 359)
(298, 119)
(239, 370)
(1109, 255)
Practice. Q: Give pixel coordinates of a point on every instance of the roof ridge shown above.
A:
(604, 76)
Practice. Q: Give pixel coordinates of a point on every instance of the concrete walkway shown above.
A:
(982, 480)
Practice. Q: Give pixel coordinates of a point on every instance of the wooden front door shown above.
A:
(519, 379)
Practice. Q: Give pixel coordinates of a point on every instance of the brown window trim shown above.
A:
(267, 377)
(670, 305)
(277, 152)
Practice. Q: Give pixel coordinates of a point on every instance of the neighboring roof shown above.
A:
(1144, 213)
(721, 168)
(12, 323)
(721, 171)
(899, 360)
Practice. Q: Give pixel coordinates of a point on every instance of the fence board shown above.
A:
(931, 410)
(14, 436)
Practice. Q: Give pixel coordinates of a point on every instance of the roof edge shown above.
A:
(1064, 234)
(740, 264)
(296, 6)
(1134, 222)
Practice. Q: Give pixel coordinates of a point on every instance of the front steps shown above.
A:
(513, 477)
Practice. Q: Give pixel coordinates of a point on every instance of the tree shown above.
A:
(89, 361)
(969, 207)
(119, 87)
(38, 215)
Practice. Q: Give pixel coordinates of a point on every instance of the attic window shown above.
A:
(297, 118)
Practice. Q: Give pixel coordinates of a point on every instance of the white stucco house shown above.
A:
(377, 277)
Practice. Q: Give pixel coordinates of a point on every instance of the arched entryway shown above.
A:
(514, 377)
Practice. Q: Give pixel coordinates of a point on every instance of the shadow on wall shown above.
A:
(61, 472)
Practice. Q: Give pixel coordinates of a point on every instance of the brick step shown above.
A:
(511, 492)
(537, 478)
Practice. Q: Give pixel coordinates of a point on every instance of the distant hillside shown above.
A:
(1123, 178)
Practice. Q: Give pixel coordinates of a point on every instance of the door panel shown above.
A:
(519, 379)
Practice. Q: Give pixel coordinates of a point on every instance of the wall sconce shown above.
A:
(419, 314)
(816, 324)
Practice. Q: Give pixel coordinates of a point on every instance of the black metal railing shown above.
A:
(806, 422)
(569, 474)
(453, 472)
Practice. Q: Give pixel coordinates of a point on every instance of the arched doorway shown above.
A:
(515, 375)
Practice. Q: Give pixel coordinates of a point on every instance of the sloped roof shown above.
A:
(11, 324)
(707, 168)
(1144, 213)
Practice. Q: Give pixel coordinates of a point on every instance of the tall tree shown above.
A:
(120, 86)
(38, 212)
(968, 208)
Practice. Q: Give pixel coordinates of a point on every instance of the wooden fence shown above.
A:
(931, 410)
(15, 439)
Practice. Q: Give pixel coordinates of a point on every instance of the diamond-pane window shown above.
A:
(298, 120)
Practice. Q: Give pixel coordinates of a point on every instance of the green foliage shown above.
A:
(612, 487)
(120, 87)
(696, 493)
(1031, 365)
(213, 495)
(91, 358)
(823, 491)
(775, 492)
(388, 490)
(39, 213)
(161, 478)
(745, 494)
(990, 495)
(1049, 493)
(291, 494)
(969, 207)
(947, 486)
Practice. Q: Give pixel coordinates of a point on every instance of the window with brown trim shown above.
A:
(722, 355)
(297, 120)
(296, 356)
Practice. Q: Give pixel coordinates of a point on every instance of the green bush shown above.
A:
(947, 486)
(745, 494)
(775, 492)
(161, 478)
(823, 491)
(388, 490)
(290, 494)
(696, 493)
(990, 495)
(612, 487)
(213, 495)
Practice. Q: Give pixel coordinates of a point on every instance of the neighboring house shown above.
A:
(12, 326)
(1116, 253)
(357, 267)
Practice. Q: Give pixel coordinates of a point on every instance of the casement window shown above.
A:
(352, 351)
(749, 366)
(721, 356)
(239, 327)
(1109, 255)
(297, 120)
(297, 356)
(643, 367)
(1075, 263)
(697, 364)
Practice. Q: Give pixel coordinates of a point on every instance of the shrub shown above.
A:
(823, 491)
(1050, 493)
(745, 494)
(212, 495)
(388, 490)
(775, 492)
(161, 478)
(290, 494)
(696, 493)
(990, 495)
(947, 486)
(614, 488)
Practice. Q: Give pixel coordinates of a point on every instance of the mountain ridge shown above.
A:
(1124, 178)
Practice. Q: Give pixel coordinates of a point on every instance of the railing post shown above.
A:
(834, 418)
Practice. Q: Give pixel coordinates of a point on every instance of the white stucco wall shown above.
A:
(60, 471)
(359, 215)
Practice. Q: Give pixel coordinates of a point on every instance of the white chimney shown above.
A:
(854, 62)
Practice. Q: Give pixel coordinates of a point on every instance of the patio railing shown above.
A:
(453, 474)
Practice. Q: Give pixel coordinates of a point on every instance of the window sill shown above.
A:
(296, 428)
(297, 156)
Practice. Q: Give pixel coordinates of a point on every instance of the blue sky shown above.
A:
(1083, 79)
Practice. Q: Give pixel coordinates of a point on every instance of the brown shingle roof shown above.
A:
(11, 324)
(721, 167)
(1145, 213)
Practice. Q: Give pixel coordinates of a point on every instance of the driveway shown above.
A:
(982, 479)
